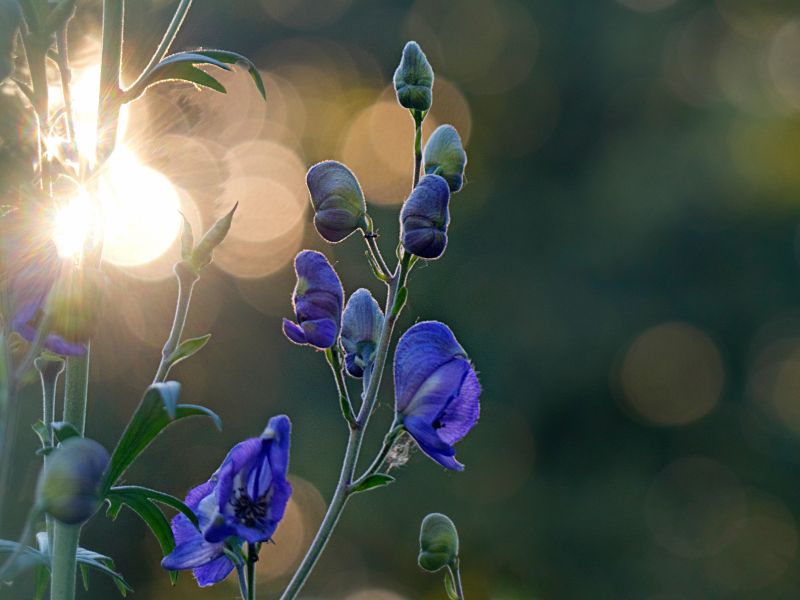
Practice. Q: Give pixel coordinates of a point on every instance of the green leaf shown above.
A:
(158, 409)
(187, 349)
(42, 432)
(59, 15)
(104, 564)
(373, 481)
(180, 67)
(40, 582)
(84, 576)
(27, 558)
(63, 430)
(400, 301)
(123, 492)
(232, 58)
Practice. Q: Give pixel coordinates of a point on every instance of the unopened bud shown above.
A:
(69, 486)
(413, 79)
(438, 542)
(425, 217)
(362, 322)
(444, 155)
(339, 205)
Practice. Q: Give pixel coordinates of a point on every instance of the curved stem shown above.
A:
(345, 485)
(455, 573)
(186, 280)
(371, 238)
(333, 358)
(166, 42)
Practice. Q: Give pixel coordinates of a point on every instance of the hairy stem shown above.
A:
(186, 280)
(345, 485)
(65, 537)
(49, 371)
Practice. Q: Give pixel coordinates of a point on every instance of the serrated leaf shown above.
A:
(63, 430)
(373, 481)
(232, 58)
(187, 349)
(157, 409)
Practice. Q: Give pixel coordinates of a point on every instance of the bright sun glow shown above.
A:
(136, 213)
(132, 207)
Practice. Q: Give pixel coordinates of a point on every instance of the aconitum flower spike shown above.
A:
(338, 201)
(362, 322)
(413, 79)
(444, 155)
(438, 542)
(436, 390)
(425, 217)
(244, 501)
(318, 298)
(68, 488)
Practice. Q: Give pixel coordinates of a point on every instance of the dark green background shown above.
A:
(643, 171)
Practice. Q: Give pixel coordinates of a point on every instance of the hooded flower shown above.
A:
(29, 268)
(444, 155)
(436, 390)
(318, 298)
(339, 205)
(244, 501)
(425, 217)
(361, 327)
(413, 79)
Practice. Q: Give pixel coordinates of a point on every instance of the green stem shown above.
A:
(388, 443)
(343, 488)
(419, 116)
(166, 42)
(455, 573)
(49, 371)
(65, 72)
(108, 104)
(66, 537)
(333, 358)
(252, 559)
(186, 279)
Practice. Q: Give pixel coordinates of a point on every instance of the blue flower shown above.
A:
(244, 501)
(436, 390)
(362, 322)
(413, 79)
(318, 298)
(425, 217)
(444, 155)
(339, 205)
(29, 268)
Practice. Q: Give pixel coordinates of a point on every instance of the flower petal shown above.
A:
(279, 432)
(321, 332)
(420, 352)
(431, 444)
(213, 572)
(294, 332)
(194, 553)
(463, 411)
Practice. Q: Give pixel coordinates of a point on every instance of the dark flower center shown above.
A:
(251, 512)
(439, 422)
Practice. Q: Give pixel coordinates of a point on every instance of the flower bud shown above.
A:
(10, 17)
(413, 79)
(318, 298)
(425, 217)
(438, 542)
(69, 486)
(338, 201)
(362, 322)
(76, 304)
(444, 155)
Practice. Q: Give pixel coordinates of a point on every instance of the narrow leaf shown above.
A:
(232, 58)
(42, 432)
(449, 586)
(179, 67)
(123, 492)
(41, 580)
(63, 430)
(187, 349)
(104, 564)
(59, 15)
(85, 575)
(155, 412)
(373, 481)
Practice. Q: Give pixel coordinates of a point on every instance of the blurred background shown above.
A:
(622, 268)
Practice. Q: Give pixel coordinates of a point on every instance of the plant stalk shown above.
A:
(110, 61)
(356, 437)
(186, 279)
(49, 372)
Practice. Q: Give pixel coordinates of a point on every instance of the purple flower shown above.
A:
(361, 326)
(318, 298)
(29, 268)
(339, 205)
(425, 217)
(244, 501)
(436, 390)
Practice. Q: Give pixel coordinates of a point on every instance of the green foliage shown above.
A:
(187, 349)
(373, 481)
(158, 409)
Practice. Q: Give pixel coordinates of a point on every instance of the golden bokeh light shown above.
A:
(370, 148)
(672, 374)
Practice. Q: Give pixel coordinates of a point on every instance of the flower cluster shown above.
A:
(244, 501)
